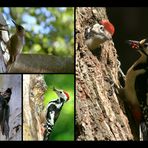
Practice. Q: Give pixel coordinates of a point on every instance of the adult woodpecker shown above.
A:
(7, 94)
(136, 87)
(51, 113)
(98, 34)
(16, 43)
(5, 111)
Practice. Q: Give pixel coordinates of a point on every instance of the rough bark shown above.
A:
(34, 88)
(33, 63)
(100, 114)
(3, 38)
(15, 119)
(2, 63)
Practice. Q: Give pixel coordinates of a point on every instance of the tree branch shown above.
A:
(34, 63)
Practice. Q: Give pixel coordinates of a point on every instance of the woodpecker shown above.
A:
(98, 34)
(136, 87)
(16, 43)
(51, 113)
(5, 111)
(7, 94)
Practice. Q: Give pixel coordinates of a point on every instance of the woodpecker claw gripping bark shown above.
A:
(136, 87)
(52, 111)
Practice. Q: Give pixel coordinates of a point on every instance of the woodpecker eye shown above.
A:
(102, 28)
(60, 92)
(145, 45)
(20, 28)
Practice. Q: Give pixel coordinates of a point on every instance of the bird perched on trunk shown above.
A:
(136, 87)
(51, 113)
(16, 43)
(5, 111)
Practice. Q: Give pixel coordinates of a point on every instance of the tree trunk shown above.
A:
(34, 88)
(99, 112)
(15, 119)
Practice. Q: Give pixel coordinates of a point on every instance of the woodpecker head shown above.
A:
(61, 94)
(141, 46)
(98, 33)
(9, 90)
(19, 29)
(108, 26)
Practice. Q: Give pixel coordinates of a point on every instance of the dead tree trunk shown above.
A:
(99, 113)
(34, 88)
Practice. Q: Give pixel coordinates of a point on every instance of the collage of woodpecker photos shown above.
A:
(73, 74)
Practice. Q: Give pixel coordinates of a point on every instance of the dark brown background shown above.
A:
(130, 23)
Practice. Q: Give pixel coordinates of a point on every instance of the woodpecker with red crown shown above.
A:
(136, 87)
(51, 113)
(98, 34)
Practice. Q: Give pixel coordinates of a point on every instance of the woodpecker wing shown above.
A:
(141, 87)
(52, 113)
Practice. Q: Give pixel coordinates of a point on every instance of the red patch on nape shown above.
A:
(137, 114)
(108, 26)
(67, 95)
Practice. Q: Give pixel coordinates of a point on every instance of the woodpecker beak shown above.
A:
(142, 41)
(136, 44)
(140, 46)
(54, 89)
(14, 22)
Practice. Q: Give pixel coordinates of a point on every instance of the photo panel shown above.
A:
(37, 40)
(48, 107)
(111, 74)
(10, 107)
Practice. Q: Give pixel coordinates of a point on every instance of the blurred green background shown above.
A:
(48, 30)
(64, 126)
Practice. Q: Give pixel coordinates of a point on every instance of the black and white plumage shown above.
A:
(7, 94)
(98, 34)
(136, 87)
(95, 36)
(52, 112)
(5, 111)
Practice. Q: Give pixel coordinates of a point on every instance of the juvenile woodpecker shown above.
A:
(16, 43)
(98, 34)
(51, 113)
(136, 87)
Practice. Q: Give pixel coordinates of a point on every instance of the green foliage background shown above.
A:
(64, 127)
(48, 30)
